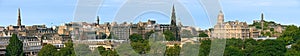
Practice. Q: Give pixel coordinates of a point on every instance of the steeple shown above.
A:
(173, 25)
(173, 17)
(98, 20)
(220, 17)
(19, 18)
(262, 21)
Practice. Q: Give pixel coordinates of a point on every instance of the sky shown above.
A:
(190, 12)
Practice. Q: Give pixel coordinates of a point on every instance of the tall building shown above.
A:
(220, 17)
(173, 25)
(262, 21)
(19, 18)
(98, 20)
(231, 29)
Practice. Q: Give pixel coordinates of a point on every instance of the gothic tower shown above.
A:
(98, 20)
(220, 17)
(262, 21)
(173, 25)
(173, 17)
(19, 18)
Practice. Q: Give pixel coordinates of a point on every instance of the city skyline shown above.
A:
(58, 12)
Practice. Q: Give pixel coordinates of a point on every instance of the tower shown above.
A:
(173, 25)
(220, 17)
(98, 20)
(19, 18)
(173, 17)
(262, 21)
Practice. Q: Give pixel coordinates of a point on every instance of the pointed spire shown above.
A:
(98, 20)
(173, 8)
(262, 21)
(19, 17)
(262, 16)
(221, 12)
(173, 15)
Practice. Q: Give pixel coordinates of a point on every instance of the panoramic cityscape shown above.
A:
(150, 33)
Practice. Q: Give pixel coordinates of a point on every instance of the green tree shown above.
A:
(15, 47)
(110, 36)
(204, 47)
(67, 51)
(287, 40)
(103, 52)
(148, 34)
(295, 49)
(250, 46)
(169, 36)
(271, 29)
(136, 37)
(48, 50)
(270, 48)
(290, 35)
(202, 34)
(268, 34)
(234, 47)
(173, 51)
(139, 44)
(233, 51)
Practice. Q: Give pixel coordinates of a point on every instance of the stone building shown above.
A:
(120, 31)
(31, 45)
(231, 29)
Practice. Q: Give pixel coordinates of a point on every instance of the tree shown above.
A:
(169, 36)
(271, 29)
(234, 47)
(270, 48)
(110, 36)
(290, 35)
(148, 34)
(68, 50)
(139, 44)
(48, 50)
(204, 47)
(250, 47)
(173, 51)
(233, 51)
(15, 47)
(136, 37)
(103, 52)
(295, 50)
(268, 34)
(202, 34)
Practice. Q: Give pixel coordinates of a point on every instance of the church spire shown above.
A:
(19, 17)
(262, 21)
(173, 25)
(173, 17)
(98, 20)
